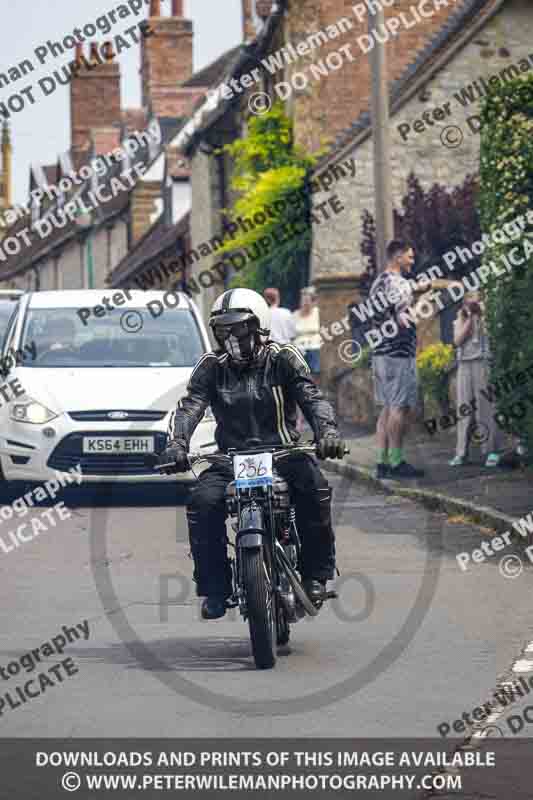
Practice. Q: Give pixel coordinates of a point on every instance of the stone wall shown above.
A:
(354, 397)
(334, 295)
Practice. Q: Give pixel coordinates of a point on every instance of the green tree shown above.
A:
(270, 176)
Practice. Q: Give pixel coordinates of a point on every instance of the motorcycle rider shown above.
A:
(253, 386)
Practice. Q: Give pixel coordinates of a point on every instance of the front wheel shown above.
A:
(260, 603)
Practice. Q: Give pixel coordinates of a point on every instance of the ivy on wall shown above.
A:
(269, 172)
(506, 172)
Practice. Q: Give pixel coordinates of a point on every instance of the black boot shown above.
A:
(213, 607)
(315, 591)
(318, 540)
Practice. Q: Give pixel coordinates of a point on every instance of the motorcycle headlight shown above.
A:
(31, 411)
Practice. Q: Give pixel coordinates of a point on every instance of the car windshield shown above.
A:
(126, 337)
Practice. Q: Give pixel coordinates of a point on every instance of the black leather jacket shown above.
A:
(257, 402)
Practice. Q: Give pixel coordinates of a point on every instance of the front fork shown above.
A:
(250, 533)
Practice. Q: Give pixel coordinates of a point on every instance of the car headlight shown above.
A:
(33, 412)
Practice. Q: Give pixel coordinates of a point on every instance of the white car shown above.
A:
(97, 383)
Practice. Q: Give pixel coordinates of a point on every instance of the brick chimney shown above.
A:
(167, 61)
(94, 94)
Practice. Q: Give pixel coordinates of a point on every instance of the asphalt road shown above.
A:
(413, 641)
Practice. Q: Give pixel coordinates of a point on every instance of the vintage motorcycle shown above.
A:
(267, 587)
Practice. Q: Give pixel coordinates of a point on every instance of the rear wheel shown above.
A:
(261, 608)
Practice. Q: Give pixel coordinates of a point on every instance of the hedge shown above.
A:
(506, 191)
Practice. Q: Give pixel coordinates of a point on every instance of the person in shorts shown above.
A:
(394, 361)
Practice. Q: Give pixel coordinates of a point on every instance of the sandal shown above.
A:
(493, 460)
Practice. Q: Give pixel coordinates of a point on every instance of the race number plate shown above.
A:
(118, 445)
(253, 470)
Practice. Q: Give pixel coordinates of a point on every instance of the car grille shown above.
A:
(69, 453)
(103, 416)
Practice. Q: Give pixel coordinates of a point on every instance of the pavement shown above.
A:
(490, 496)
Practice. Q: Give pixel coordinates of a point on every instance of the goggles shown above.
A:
(239, 330)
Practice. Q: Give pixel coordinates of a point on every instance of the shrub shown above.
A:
(363, 362)
(433, 222)
(434, 365)
(507, 192)
(268, 167)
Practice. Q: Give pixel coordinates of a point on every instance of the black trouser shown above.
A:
(206, 515)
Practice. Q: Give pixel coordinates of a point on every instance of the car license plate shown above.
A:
(253, 470)
(118, 445)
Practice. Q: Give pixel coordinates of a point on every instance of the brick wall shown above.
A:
(332, 103)
(105, 139)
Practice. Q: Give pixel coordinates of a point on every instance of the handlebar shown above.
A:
(277, 453)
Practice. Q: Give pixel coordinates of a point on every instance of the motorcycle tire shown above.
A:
(261, 608)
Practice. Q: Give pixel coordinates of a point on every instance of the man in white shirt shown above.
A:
(282, 328)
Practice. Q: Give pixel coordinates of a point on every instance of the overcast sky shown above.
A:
(41, 131)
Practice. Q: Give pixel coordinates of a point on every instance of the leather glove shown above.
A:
(175, 454)
(330, 446)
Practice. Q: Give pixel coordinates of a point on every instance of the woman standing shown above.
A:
(307, 321)
(471, 340)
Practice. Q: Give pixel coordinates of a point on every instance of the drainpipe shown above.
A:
(85, 226)
(89, 260)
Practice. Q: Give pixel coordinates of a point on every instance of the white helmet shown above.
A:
(240, 321)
